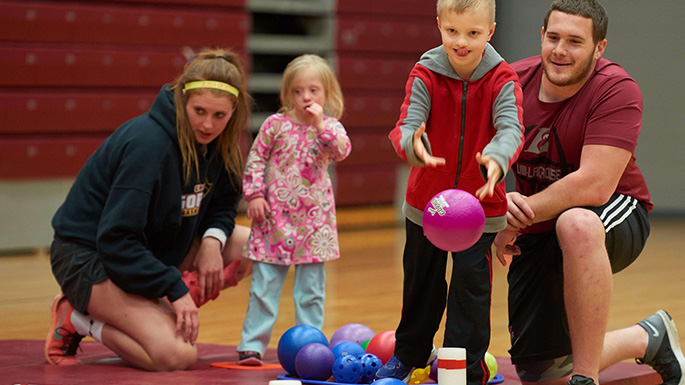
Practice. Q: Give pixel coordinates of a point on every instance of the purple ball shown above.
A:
(314, 362)
(354, 332)
(453, 220)
(434, 371)
(293, 340)
(347, 347)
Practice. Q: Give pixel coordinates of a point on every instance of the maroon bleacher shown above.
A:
(377, 43)
(70, 73)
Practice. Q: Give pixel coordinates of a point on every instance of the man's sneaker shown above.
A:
(62, 340)
(663, 352)
(577, 379)
(249, 359)
(395, 369)
(190, 278)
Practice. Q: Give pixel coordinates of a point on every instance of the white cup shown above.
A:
(285, 382)
(452, 366)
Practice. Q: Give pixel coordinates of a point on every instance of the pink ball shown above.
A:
(453, 220)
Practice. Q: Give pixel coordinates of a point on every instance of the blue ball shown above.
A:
(388, 381)
(293, 340)
(370, 365)
(314, 362)
(347, 347)
(347, 369)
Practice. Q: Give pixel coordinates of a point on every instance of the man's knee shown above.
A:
(542, 371)
(577, 226)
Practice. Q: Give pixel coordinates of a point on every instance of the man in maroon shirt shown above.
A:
(579, 212)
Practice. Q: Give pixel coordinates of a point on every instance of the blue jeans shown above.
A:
(265, 294)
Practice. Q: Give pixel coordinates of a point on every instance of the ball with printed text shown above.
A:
(453, 220)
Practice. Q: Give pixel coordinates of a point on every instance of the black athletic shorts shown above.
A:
(537, 319)
(76, 268)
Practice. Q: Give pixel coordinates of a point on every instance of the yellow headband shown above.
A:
(212, 84)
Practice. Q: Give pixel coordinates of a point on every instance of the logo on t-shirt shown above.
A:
(540, 164)
(190, 203)
(540, 143)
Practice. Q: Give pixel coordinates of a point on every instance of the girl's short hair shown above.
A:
(334, 100)
(221, 65)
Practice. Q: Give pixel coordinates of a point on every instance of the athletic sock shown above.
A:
(87, 325)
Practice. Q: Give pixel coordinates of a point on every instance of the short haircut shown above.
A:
(460, 6)
(590, 9)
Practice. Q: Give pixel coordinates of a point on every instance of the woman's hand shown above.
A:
(210, 268)
(187, 320)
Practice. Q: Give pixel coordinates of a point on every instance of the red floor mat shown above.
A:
(22, 362)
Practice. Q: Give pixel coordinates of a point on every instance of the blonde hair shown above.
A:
(333, 105)
(220, 65)
(460, 6)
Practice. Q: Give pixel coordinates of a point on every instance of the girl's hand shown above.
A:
(257, 209)
(210, 268)
(494, 174)
(421, 152)
(187, 321)
(315, 112)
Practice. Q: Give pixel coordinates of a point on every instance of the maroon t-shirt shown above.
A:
(606, 111)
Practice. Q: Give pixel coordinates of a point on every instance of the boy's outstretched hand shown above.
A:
(494, 175)
(421, 152)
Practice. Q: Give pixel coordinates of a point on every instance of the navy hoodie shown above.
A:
(130, 203)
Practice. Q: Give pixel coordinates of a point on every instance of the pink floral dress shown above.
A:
(288, 166)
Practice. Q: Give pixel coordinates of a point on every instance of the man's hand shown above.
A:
(504, 244)
(519, 213)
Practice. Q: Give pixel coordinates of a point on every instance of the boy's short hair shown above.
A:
(460, 6)
(590, 9)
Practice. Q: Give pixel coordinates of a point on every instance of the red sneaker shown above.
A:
(62, 340)
(190, 279)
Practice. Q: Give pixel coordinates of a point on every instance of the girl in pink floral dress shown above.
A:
(290, 201)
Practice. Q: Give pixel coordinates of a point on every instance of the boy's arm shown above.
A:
(413, 112)
(507, 116)
(421, 152)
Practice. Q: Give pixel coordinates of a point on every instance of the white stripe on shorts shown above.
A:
(614, 214)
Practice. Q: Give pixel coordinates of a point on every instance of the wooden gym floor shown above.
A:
(364, 286)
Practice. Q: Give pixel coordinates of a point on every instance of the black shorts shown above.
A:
(76, 268)
(537, 319)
